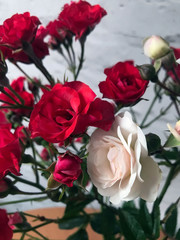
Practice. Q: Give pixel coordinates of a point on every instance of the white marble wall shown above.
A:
(118, 37)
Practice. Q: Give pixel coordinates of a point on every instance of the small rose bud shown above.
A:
(67, 169)
(155, 47)
(148, 72)
(176, 130)
(15, 219)
(45, 155)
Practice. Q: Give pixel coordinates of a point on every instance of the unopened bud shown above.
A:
(148, 72)
(169, 60)
(155, 47)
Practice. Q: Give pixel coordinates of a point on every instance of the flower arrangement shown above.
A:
(48, 125)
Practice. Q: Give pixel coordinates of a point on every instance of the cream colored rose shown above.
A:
(156, 47)
(118, 162)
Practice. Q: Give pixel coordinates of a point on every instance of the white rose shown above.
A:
(118, 162)
(155, 47)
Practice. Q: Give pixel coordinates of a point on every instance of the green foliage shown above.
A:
(105, 223)
(130, 226)
(171, 220)
(79, 235)
(145, 218)
(72, 222)
(156, 220)
(153, 143)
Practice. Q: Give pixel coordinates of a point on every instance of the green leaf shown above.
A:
(130, 226)
(172, 142)
(74, 207)
(157, 64)
(79, 235)
(131, 208)
(27, 158)
(156, 219)
(69, 223)
(153, 142)
(178, 235)
(145, 217)
(96, 222)
(171, 222)
(105, 223)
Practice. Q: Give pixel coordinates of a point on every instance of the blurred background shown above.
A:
(117, 37)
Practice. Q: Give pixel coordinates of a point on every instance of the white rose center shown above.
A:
(120, 162)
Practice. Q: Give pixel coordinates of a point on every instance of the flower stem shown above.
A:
(16, 94)
(160, 115)
(38, 63)
(81, 60)
(27, 182)
(35, 227)
(168, 182)
(24, 200)
(150, 108)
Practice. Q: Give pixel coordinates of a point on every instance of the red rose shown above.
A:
(56, 30)
(45, 155)
(81, 17)
(67, 169)
(10, 152)
(19, 28)
(123, 83)
(5, 230)
(3, 119)
(18, 86)
(4, 186)
(68, 110)
(176, 67)
(40, 49)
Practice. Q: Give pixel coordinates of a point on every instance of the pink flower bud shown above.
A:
(67, 169)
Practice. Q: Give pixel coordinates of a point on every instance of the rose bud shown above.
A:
(5, 229)
(15, 218)
(67, 169)
(175, 131)
(45, 155)
(155, 47)
(148, 72)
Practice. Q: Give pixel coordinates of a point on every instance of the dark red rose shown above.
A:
(81, 17)
(176, 67)
(10, 152)
(56, 30)
(5, 230)
(3, 119)
(45, 155)
(123, 83)
(40, 49)
(67, 169)
(4, 186)
(18, 86)
(19, 28)
(68, 110)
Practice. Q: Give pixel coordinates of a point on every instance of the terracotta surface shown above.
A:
(51, 231)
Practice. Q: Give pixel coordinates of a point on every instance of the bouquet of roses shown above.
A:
(47, 124)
